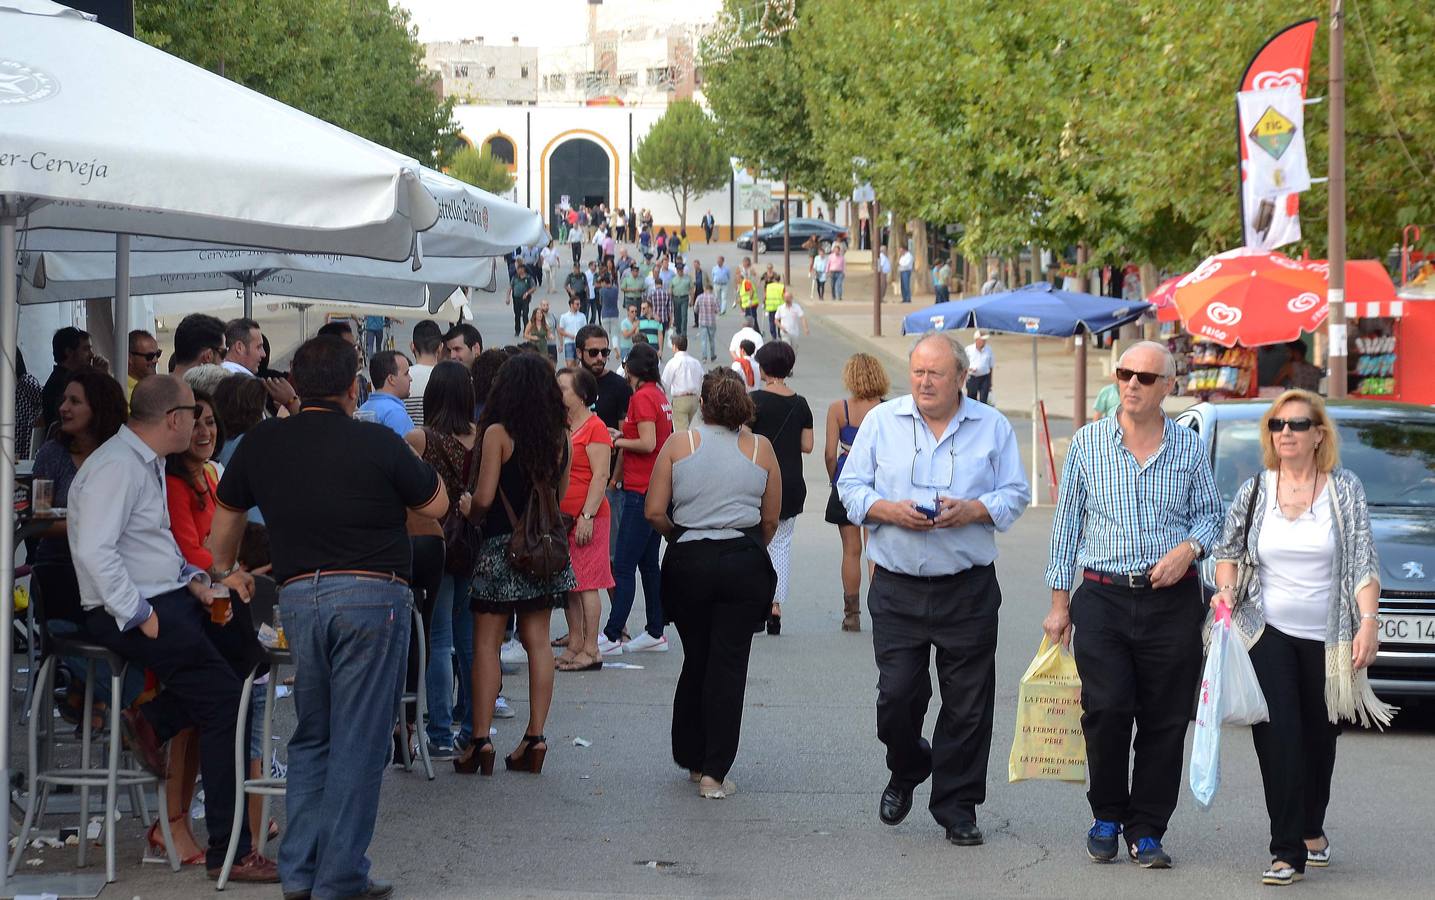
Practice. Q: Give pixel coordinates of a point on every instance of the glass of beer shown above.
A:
(219, 604)
(42, 493)
(366, 415)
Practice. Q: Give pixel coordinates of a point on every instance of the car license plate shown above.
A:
(1407, 630)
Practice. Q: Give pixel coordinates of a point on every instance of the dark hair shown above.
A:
(337, 328)
(586, 334)
(65, 341)
(194, 334)
(448, 399)
(106, 399)
(239, 330)
(679, 341)
(239, 404)
(643, 363)
(584, 384)
(747, 347)
(174, 462)
(470, 335)
(776, 359)
(485, 369)
(725, 401)
(324, 367)
(384, 364)
(526, 402)
(427, 337)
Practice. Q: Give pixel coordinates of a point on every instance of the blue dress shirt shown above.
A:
(390, 412)
(896, 457)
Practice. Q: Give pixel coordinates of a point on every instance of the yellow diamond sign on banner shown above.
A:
(1273, 132)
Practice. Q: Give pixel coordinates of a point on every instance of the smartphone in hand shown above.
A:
(927, 511)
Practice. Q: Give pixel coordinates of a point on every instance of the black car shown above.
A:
(770, 237)
(1391, 447)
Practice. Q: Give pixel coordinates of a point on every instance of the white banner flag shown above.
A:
(1273, 127)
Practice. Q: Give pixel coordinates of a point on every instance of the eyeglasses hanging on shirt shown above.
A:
(934, 484)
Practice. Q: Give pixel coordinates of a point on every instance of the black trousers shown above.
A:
(1296, 748)
(577, 251)
(428, 574)
(195, 661)
(957, 616)
(716, 593)
(520, 315)
(979, 387)
(1139, 656)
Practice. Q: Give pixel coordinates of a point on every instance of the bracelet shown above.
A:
(1226, 587)
(1374, 615)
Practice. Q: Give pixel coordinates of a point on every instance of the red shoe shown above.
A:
(253, 868)
(156, 842)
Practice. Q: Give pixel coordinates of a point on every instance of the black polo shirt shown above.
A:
(611, 404)
(334, 491)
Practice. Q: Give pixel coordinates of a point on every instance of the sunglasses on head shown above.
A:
(1276, 426)
(1146, 378)
(598, 351)
(148, 357)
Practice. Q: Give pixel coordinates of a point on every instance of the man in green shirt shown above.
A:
(681, 287)
(520, 294)
(632, 286)
(1108, 400)
(650, 328)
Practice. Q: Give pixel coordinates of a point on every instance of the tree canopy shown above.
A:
(481, 169)
(682, 156)
(1026, 126)
(355, 63)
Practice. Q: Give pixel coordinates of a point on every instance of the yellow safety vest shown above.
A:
(774, 296)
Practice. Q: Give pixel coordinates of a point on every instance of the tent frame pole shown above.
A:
(1035, 426)
(9, 332)
(119, 367)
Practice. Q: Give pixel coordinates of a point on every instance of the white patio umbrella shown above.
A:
(107, 134)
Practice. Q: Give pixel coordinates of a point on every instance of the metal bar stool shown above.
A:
(420, 698)
(43, 774)
(262, 608)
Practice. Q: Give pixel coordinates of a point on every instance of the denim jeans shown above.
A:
(444, 642)
(680, 317)
(722, 290)
(836, 278)
(637, 549)
(906, 278)
(707, 335)
(349, 635)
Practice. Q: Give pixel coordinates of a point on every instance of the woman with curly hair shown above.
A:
(725, 489)
(867, 384)
(523, 449)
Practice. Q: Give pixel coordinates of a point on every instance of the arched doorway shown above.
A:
(581, 169)
(501, 149)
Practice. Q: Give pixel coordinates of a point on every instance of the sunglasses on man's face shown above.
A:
(197, 409)
(148, 357)
(1276, 426)
(596, 352)
(1146, 378)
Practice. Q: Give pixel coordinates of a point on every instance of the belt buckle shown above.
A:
(1136, 581)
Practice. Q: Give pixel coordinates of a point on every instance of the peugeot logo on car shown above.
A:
(1413, 570)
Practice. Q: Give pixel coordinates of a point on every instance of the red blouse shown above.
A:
(190, 517)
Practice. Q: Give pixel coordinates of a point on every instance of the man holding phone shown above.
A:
(935, 477)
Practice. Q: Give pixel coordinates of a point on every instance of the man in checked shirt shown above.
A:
(1138, 506)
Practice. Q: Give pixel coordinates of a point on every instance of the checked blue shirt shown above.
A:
(1115, 515)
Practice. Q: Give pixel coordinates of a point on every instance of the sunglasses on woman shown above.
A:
(1276, 426)
(1146, 378)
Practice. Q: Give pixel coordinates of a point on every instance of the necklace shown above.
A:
(1297, 490)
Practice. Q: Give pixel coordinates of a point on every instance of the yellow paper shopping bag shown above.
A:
(1049, 743)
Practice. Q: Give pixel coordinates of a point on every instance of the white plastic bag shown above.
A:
(1242, 702)
(1206, 745)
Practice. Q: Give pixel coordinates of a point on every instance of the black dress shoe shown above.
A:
(377, 890)
(896, 803)
(966, 834)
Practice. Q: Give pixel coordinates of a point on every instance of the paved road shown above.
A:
(618, 819)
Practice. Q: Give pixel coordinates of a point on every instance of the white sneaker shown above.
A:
(501, 709)
(513, 652)
(646, 643)
(607, 647)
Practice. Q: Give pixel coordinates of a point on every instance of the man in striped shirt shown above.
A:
(1138, 506)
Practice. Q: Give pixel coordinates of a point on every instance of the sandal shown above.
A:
(559, 642)
(576, 664)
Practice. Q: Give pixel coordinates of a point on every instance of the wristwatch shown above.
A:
(586, 516)
(1196, 546)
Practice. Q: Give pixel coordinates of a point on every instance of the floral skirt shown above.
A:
(498, 588)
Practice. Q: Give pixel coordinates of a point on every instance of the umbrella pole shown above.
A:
(119, 368)
(1035, 427)
(9, 328)
(248, 299)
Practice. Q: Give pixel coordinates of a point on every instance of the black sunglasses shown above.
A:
(148, 357)
(598, 351)
(1146, 378)
(197, 409)
(1276, 426)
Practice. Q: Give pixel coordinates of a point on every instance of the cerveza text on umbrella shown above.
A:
(42, 161)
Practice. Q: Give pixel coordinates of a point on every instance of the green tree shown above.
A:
(681, 156)
(355, 63)
(480, 169)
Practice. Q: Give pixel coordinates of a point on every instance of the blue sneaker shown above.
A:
(1101, 840)
(1147, 854)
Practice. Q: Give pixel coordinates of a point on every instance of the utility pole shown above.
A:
(1078, 417)
(1335, 228)
(786, 235)
(876, 274)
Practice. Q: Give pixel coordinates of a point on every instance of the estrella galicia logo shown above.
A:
(21, 83)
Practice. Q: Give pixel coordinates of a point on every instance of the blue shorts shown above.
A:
(570, 350)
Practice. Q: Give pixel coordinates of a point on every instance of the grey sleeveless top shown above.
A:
(718, 489)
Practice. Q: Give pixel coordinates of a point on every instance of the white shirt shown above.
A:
(744, 333)
(414, 404)
(550, 256)
(683, 375)
(1296, 557)
(569, 323)
(789, 318)
(905, 261)
(235, 368)
(979, 361)
(750, 382)
(118, 529)
(884, 265)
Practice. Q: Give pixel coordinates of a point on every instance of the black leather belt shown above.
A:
(1138, 581)
(928, 579)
